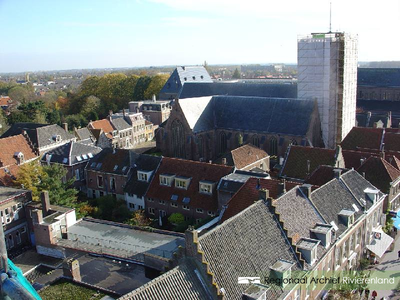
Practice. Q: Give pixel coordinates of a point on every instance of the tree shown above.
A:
(139, 219)
(176, 218)
(60, 190)
(155, 86)
(22, 93)
(91, 104)
(141, 87)
(236, 74)
(77, 121)
(28, 177)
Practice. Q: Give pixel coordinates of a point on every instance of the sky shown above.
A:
(70, 34)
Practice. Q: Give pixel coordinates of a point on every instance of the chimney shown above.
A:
(44, 197)
(210, 161)
(37, 216)
(191, 241)
(263, 194)
(123, 112)
(282, 187)
(71, 269)
(362, 161)
(224, 161)
(337, 173)
(65, 125)
(306, 189)
(154, 98)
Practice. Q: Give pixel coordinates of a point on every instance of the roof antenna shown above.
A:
(330, 16)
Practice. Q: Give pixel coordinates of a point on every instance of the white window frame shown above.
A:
(173, 204)
(206, 188)
(186, 207)
(199, 210)
(182, 183)
(152, 211)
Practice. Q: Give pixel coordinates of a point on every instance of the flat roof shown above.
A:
(126, 238)
(282, 265)
(308, 244)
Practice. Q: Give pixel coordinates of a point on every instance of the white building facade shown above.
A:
(327, 72)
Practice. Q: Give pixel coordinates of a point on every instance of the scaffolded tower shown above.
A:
(327, 72)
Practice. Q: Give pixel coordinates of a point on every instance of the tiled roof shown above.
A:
(363, 138)
(296, 162)
(379, 172)
(41, 135)
(392, 140)
(322, 175)
(180, 283)
(83, 133)
(181, 75)
(269, 115)
(120, 124)
(5, 101)
(247, 244)
(297, 213)
(197, 171)
(141, 162)
(246, 155)
(192, 90)
(331, 198)
(115, 161)
(9, 146)
(233, 182)
(71, 153)
(378, 77)
(105, 125)
(249, 193)
(352, 159)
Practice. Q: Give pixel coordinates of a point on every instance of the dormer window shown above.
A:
(282, 270)
(57, 138)
(371, 194)
(308, 249)
(323, 232)
(19, 156)
(206, 187)
(346, 216)
(143, 176)
(166, 179)
(182, 182)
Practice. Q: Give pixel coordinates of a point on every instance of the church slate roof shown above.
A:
(378, 77)
(181, 282)
(247, 244)
(108, 159)
(269, 115)
(275, 90)
(182, 75)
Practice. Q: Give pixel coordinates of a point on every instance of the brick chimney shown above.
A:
(263, 194)
(282, 187)
(306, 189)
(65, 125)
(71, 269)
(37, 216)
(44, 197)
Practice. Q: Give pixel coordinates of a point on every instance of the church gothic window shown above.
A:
(273, 147)
(256, 141)
(222, 142)
(178, 139)
(200, 146)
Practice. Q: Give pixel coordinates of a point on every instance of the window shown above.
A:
(178, 139)
(256, 141)
(150, 199)
(131, 205)
(162, 202)
(186, 207)
(200, 146)
(210, 213)
(18, 237)
(151, 210)
(100, 181)
(198, 221)
(273, 147)
(182, 183)
(112, 184)
(293, 142)
(77, 175)
(199, 210)
(142, 176)
(222, 142)
(140, 207)
(23, 230)
(206, 188)
(173, 204)
(166, 179)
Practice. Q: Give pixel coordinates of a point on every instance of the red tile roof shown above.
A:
(379, 172)
(322, 175)
(296, 165)
(363, 138)
(105, 125)
(249, 193)
(392, 141)
(246, 155)
(9, 146)
(352, 159)
(197, 171)
(5, 101)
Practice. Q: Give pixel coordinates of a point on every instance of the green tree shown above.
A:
(139, 219)
(236, 74)
(61, 191)
(176, 218)
(22, 93)
(76, 120)
(155, 86)
(28, 177)
(141, 87)
(91, 104)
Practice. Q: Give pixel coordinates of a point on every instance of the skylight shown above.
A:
(90, 155)
(115, 167)
(85, 156)
(93, 164)
(174, 197)
(79, 158)
(65, 160)
(99, 165)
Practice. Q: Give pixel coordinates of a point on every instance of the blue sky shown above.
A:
(54, 35)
